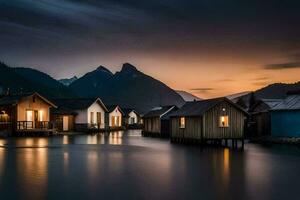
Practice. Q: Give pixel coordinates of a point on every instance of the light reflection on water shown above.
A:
(127, 166)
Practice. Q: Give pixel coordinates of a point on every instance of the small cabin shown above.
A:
(157, 121)
(26, 113)
(210, 119)
(285, 117)
(131, 118)
(114, 117)
(261, 117)
(79, 114)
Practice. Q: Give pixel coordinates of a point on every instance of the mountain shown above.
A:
(188, 96)
(128, 88)
(19, 80)
(277, 90)
(68, 81)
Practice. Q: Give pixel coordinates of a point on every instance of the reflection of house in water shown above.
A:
(25, 113)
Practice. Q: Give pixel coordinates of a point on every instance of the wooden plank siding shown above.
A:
(192, 130)
(207, 126)
(211, 128)
(152, 125)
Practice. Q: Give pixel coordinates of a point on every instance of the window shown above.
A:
(29, 115)
(182, 122)
(224, 121)
(41, 115)
(99, 118)
(92, 118)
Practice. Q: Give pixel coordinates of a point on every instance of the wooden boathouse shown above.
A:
(157, 121)
(214, 120)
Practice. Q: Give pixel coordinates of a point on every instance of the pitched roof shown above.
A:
(15, 98)
(198, 108)
(292, 102)
(72, 104)
(271, 102)
(264, 105)
(126, 111)
(159, 111)
(111, 108)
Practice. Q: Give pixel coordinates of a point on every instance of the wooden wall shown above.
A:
(27, 103)
(262, 124)
(192, 130)
(152, 125)
(207, 126)
(58, 122)
(211, 129)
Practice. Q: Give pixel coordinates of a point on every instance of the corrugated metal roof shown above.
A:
(158, 111)
(272, 102)
(292, 102)
(198, 108)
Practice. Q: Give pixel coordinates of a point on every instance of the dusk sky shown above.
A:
(206, 47)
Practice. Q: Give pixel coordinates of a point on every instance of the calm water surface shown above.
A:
(128, 166)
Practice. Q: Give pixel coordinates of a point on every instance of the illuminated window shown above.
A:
(92, 117)
(224, 121)
(41, 115)
(182, 122)
(29, 115)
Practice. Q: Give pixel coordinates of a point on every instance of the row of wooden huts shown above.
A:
(32, 112)
(198, 121)
(222, 119)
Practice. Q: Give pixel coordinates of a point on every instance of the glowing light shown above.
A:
(182, 122)
(224, 121)
(29, 115)
(41, 114)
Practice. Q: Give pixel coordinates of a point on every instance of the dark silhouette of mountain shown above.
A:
(19, 80)
(276, 90)
(68, 81)
(127, 88)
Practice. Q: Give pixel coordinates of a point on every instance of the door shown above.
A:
(29, 120)
(65, 123)
(118, 121)
(99, 119)
(36, 119)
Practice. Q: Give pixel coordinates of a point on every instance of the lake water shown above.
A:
(128, 166)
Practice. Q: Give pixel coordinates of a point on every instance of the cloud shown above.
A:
(202, 90)
(226, 80)
(288, 65)
(260, 79)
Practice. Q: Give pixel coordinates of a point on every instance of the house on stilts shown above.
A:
(213, 120)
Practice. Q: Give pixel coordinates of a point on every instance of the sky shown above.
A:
(207, 47)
